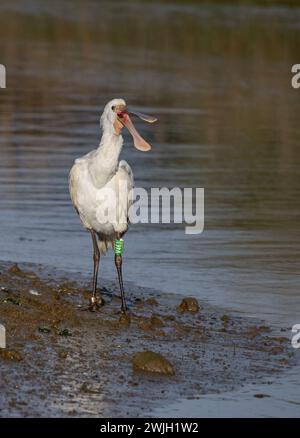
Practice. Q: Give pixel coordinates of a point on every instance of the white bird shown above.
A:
(100, 187)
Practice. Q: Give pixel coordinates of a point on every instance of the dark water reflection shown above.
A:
(218, 77)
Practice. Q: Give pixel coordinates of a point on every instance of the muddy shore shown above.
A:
(62, 360)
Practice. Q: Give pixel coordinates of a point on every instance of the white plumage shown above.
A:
(101, 169)
(98, 174)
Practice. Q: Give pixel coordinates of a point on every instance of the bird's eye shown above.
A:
(113, 107)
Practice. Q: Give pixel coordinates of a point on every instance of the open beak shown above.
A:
(124, 118)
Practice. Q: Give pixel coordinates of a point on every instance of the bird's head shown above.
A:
(116, 115)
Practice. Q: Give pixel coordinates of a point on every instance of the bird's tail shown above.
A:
(104, 243)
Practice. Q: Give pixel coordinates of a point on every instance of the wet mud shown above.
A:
(63, 360)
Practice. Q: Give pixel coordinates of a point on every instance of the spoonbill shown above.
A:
(101, 169)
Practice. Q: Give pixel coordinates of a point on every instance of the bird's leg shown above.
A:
(95, 302)
(118, 249)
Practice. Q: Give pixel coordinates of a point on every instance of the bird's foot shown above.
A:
(96, 303)
(125, 317)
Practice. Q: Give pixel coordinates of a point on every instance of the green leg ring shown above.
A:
(119, 246)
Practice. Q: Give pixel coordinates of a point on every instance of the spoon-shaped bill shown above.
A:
(138, 141)
(145, 117)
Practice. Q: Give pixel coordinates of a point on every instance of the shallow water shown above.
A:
(218, 78)
(251, 401)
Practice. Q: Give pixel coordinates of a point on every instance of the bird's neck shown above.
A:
(109, 148)
(105, 162)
